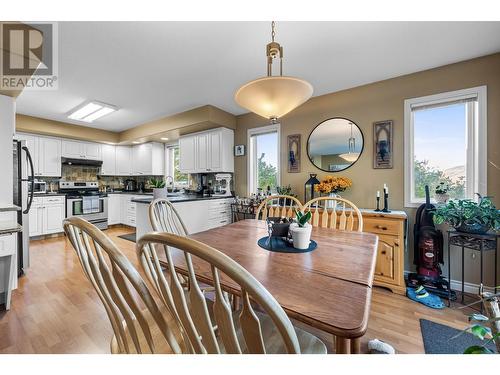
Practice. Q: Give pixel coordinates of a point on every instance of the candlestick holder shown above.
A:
(386, 203)
(378, 205)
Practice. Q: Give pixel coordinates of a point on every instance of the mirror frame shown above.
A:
(360, 152)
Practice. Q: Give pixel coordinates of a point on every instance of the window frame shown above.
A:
(251, 153)
(169, 165)
(476, 158)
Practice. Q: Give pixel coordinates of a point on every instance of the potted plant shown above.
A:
(468, 216)
(159, 188)
(301, 230)
(285, 190)
(441, 191)
(332, 186)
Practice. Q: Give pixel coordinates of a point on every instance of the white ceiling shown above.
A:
(155, 69)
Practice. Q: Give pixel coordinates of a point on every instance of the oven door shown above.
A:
(98, 217)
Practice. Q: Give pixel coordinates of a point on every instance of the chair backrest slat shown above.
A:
(114, 277)
(278, 206)
(164, 217)
(223, 331)
(328, 216)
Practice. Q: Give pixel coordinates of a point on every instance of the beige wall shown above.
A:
(382, 101)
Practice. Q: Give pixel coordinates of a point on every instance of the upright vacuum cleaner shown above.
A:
(428, 252)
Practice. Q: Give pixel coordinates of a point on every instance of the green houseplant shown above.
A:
(441, 191)
(159, 189)
(301, 230)
(468, 216)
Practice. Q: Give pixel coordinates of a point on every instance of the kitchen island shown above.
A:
(197, 213)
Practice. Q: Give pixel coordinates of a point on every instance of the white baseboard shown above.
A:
(468, 287)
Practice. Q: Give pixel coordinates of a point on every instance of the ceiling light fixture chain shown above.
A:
(274, 50)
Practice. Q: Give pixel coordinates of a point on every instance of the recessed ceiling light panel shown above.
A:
(91, 111)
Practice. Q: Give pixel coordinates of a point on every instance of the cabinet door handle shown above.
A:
(383, 252)
(381, 227)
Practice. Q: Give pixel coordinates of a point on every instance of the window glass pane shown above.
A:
(440, 149)
(266, 160)
(180, 178)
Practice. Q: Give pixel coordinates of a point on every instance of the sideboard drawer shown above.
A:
(381, 226)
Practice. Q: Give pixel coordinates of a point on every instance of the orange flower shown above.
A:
(332, 184)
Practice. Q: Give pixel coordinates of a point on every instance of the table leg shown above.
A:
(356, 345)
(449, 272)
(463, 274)
(342, 345)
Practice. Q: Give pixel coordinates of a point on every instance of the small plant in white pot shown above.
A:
(301, 230)
(159, 188)
(442, 195)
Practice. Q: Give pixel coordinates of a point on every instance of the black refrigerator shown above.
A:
(23, 197)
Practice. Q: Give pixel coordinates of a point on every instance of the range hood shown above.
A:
(87, 162)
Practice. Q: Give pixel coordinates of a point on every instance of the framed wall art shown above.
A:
(382, 144)
(239, 150)
(293, 153)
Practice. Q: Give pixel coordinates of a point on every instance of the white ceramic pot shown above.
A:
(301, 236)
(442, 198)
(332, 204)
(159, 193)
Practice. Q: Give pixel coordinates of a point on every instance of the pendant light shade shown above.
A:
(273, 97)
(351, 155)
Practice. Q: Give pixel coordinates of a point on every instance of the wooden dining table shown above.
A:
(328, 288)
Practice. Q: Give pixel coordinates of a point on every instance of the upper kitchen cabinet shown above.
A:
(148, 159)
(123, 161)
(108, 167)
(81, 150)
(208, 151)
(45, 153)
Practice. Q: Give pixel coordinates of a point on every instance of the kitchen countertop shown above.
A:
(130, 192)
(9, 228)
(180, 198)
(48, 194)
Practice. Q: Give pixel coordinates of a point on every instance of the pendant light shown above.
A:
(351, 155)
(273, 96)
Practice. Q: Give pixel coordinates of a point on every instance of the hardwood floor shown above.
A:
(55, 309)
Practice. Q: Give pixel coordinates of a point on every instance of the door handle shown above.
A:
(30, 180)
(381, 227)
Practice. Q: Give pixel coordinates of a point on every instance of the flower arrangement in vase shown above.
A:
(331, 186)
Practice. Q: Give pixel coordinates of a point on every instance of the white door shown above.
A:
(36, 221)
(187, 154)
(202, 163)
(123, 161)
(92, 151)
(108, 167)
(215, 151)
(50, 157)
(114, 209)
(73, 149)
(53, 217)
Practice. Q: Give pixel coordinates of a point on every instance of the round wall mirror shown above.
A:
(335, 144)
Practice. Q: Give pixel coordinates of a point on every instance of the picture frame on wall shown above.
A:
(383, 154)
(293, 150)
(239, 150)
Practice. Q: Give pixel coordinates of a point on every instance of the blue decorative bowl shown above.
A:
(473, 228)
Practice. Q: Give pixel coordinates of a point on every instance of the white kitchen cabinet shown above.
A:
(209, 151)
(49, 155)
(46, 215)
(123, 161)
(46, 154)
(187, 154)
(36, 218)
(81, 150)
(114, 209)
(108, 167)
(148, 159)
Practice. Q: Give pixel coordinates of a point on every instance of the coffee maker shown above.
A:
(130, 185)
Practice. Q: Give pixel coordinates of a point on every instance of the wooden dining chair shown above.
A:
(139, 324)
(246, 331)
(164, 218)
(343, 215)
(278, 206)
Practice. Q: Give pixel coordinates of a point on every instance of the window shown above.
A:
(172, 166)
(263, 158)
(445, 141)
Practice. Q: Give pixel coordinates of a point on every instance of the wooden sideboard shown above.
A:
(391, 230)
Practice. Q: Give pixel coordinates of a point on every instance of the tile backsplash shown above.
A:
(90, 173)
